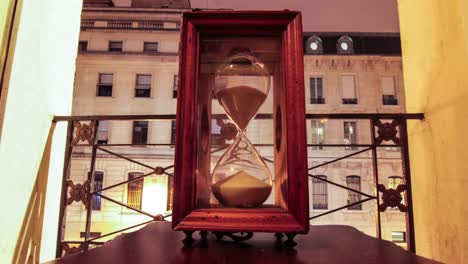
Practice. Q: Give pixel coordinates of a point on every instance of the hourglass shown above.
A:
(230, 62)
(241, 178)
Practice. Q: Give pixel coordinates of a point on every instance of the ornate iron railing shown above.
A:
(386, 132)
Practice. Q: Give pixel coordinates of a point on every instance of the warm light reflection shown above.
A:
(155, 195)
(323, 120)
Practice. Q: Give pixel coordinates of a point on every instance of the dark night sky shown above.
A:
(325, 15)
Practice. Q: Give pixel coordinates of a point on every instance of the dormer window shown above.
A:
(344, 45)
(314, 45)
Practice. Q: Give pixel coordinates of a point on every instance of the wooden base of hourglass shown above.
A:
(241, 237)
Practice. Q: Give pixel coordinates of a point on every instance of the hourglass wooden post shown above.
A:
(234, 66)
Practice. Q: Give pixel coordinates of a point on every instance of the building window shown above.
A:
(393, 182)
(173, 132)
(349, 89)
(319, 193)
(82, 46)
(105, 84)
(388, 90)
(318, 133)
(140, 132)
(354, 182)
(115, 46)
(316, 90)
(175, 86)
(216, 137)
(103, 132)
(98, 180)
(135, 190)
(350, 135)
(143, 85)
(399, 236)
(150, 47)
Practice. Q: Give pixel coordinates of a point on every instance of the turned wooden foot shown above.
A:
(279, 236)
(204, 235)
(188, 240)
(290, 243)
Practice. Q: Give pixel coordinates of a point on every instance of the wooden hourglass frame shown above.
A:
(208, 39)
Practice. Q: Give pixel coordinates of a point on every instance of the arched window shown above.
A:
(134, 190)
(393, 182)
(319, 193)
(354, 182)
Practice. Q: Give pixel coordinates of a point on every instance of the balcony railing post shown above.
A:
(410, 237)
(376, 178)
(63, 194)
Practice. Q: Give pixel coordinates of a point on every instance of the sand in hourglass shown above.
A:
(241, 190)
(241, 103)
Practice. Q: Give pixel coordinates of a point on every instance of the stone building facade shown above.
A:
(127, 64)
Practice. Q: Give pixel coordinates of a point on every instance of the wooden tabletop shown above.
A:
(158, 243)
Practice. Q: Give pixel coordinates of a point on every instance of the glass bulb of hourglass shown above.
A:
(241, 177)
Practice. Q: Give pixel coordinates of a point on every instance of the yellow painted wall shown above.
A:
(435, 61)
(6, 7)
(40, 86)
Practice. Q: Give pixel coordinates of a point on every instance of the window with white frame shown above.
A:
(399, 236)
(318, 133)
(388, 91)
(143, 85)
(150, 47)
(348, 85)
(98, 183)
(175, 86)
(173, 132)
(316, 90)
(354, 182)
(82, 46)
(105, 84)
(319, 193)
(115, 46)
(216, 137)
(102, 135)
(350, 134)
(135, 190)
(140, 132)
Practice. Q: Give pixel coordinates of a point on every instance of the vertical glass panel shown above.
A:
(238, 77)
